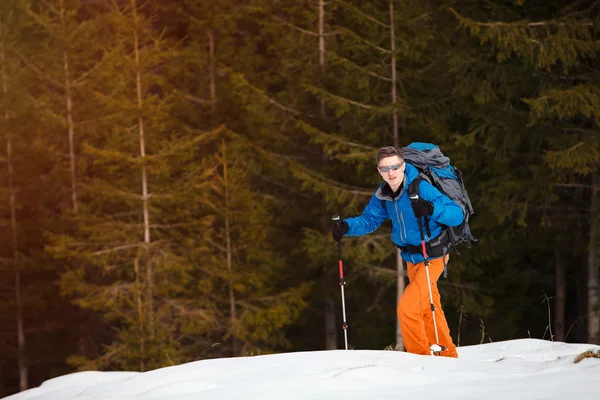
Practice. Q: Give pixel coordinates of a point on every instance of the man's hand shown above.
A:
(421, 208)
(338, 230)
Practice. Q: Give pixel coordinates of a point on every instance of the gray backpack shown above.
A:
(435, 168)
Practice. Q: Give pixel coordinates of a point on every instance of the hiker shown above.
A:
(435, 209)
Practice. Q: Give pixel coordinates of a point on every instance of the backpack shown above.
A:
(435, 168)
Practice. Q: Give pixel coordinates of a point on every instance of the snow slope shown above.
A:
(516, 369)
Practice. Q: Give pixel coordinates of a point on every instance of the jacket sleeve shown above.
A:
(445, 211)
(371, 218)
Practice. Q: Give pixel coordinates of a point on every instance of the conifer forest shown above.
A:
(169, 170)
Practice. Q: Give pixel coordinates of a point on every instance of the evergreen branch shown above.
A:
(379, 271)
(575, 100)
(109, 155)
(41, 21)
(122, 226)
(573, 185)
(185, 145)
(305, 31)
(582, 130)
(363, 14)
(46, 110)
(80, 80)
(315, 176)
(365, 41)
(276, 157)
(111, 190)
(212, 205)
(73, 34)
(187, 308)
(280, 185)
(418, 72)
(242, 80)
(315, 131)
(346, 62)
(342, 100)
(38, 70)
(103, 118)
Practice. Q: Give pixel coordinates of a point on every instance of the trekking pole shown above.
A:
(435, 348)
(342, 283)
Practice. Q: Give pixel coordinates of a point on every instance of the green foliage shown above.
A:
(252, 138)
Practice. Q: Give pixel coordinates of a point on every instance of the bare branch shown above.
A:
(118, 248)
(529, 24)
(218, 246)
(194, 98)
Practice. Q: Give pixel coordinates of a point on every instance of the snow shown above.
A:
(518, 369)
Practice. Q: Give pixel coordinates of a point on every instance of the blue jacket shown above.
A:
(405, 228)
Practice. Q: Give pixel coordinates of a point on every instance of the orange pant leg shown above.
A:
(414, 311)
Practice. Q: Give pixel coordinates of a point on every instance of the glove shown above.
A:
(421, 208)
(338, 230)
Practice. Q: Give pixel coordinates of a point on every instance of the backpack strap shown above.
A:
(413, 189)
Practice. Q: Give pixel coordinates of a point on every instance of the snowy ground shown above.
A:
(514, 370)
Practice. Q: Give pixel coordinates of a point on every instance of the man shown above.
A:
(434, 209)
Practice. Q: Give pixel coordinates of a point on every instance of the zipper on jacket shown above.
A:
(400, 218)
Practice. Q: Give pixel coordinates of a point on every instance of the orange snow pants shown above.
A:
(414, 311)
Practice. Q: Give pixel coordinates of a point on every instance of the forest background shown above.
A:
(169, 171)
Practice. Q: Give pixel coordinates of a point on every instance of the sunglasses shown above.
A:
(394, 167)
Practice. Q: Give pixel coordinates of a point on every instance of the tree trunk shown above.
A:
(399, 264)
(593, 312)
(69, 105)
(145, 206)
(330, 321)
(322, 48)
(394, 76)
(22, 365)
(212, 77)
(232, 305)
(559, 298)
(140, 310)
(330, 325)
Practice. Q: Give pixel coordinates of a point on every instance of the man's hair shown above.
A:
(388, 151)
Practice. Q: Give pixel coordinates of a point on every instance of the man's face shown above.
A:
(391, 170)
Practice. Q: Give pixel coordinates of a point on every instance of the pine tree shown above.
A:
(539, 64)
(129, 268)
(28, 186)
(252, 303)
(382, 63)
(5, 22)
